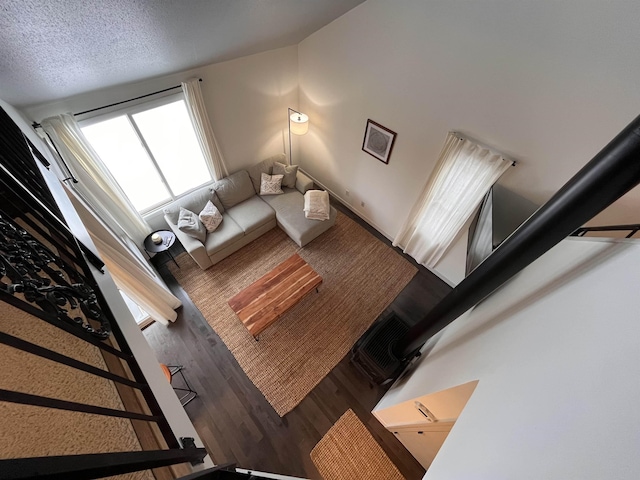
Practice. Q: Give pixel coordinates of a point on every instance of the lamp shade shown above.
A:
(299, 123)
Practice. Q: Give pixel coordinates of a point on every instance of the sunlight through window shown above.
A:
(153, 154)
(170, 137)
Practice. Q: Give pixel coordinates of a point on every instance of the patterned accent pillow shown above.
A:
(270, 184)
(289, 172)
(210, 217)
(189, 223)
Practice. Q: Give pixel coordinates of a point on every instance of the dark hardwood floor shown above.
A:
(235, 421)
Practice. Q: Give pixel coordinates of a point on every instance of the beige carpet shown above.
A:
(349, 452)
(361, 276)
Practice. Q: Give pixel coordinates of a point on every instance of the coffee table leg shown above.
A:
(317, 290)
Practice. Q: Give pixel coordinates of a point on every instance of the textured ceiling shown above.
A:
(57, 48)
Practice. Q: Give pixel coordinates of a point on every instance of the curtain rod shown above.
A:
(462, 136)
(37, 125)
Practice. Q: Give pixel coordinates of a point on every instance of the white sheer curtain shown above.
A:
(131, 274)
(96, 185)
(464, 173)
(202, 127)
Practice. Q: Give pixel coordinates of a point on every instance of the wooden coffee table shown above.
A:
(265, 300)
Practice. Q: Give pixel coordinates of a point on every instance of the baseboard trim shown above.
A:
(346, 204)
(441, 277)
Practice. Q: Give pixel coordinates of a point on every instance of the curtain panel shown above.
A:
(464, 173)
(202, 127)
(96, 186)
(131, 274)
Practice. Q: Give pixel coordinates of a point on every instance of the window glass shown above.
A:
(119, 147)
(169, 134)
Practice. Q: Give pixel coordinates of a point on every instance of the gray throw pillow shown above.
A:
(189, 223)
(288, 172)
(256, 171)
(194, 201)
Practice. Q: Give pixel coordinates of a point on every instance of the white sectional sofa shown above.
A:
(246, 215)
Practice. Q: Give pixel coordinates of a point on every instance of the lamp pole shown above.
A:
(289, 111)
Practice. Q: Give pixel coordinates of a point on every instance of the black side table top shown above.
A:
(168, 239)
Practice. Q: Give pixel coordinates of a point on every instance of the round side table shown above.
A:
(168, 239)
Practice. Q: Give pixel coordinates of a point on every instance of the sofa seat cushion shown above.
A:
(234, 189)
(252, 214)
(290, 215)
(227, 233)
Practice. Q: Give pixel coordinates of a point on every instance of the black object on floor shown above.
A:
(170, 371)
(373, 352)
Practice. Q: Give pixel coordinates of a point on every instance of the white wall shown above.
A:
(246, 98)
(556, 355)
(548, 83)
(166, 397)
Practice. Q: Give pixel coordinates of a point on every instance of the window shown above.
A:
(151, 150)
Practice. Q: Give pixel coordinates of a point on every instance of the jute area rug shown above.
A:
(361, 277)
(349, 452)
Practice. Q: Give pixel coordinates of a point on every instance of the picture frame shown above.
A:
(378, 141)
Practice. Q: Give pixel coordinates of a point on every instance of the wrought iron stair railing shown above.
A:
(45, 277)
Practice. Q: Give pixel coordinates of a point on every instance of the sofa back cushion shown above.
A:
(265, 166)
(195, 202)
(234, 189)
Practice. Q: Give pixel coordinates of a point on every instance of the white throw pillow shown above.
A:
(189, 223)
(271, 184)
(210, 217)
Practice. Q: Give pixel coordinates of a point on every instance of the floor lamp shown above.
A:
(298, 125)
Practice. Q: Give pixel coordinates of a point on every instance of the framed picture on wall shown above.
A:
(378, 141)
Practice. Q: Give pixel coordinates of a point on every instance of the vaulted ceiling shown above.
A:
(59, 48)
